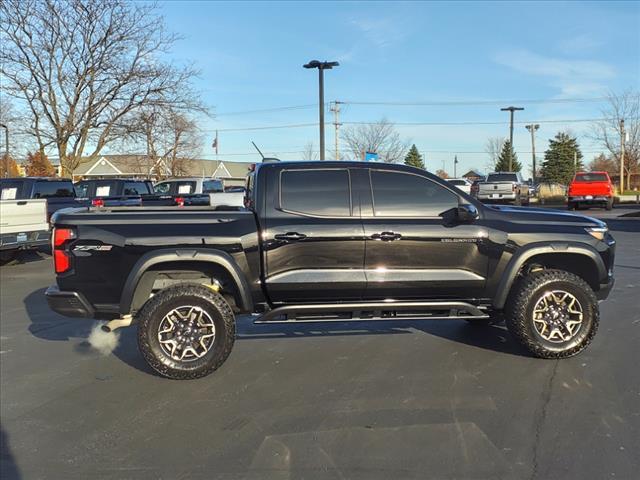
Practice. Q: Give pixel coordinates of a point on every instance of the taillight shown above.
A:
(97, 202)
(61, 258)
(180, 201)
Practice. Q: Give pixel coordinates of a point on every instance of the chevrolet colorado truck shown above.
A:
(590, 189)
(331, 241)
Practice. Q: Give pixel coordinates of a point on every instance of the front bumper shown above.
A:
(69, 304)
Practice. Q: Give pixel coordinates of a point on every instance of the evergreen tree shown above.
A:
(414, 158)
(562, 159)
(8, 167)
(38, 165)
(502, 165)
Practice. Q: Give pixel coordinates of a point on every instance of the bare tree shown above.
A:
(83, 68)
(493, 147)
(381, 138)
(607, 131)
(309, 153)
(171, 138)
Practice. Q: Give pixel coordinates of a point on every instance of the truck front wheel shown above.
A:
(186, 331)
(553, 314)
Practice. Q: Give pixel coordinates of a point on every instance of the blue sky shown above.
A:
(251, 55)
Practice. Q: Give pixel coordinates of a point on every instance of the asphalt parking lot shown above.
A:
(362, 400)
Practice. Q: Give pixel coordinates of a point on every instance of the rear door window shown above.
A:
(398, 194)
(184, 188)
(53, 189)
(322, 192)
(162, 188)
(11, 190)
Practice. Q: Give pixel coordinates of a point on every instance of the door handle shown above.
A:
(386, 236)
(290, 236)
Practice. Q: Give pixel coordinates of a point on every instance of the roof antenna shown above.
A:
(254, 144)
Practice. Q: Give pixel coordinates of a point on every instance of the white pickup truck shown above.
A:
(23, 224)
(504, 187)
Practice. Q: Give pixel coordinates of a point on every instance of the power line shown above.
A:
(267, 110)
(397, 124)
(435, 103)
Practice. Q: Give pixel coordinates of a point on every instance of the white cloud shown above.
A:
(573, 77)
(382, 32)
(579, 44)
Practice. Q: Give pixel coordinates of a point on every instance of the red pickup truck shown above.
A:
(590, 189)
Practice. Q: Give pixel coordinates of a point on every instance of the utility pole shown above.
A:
(455, 166)
(532, 128)
(321, 66)
(335, 108)
(6, 139)
(511, 110)
(622, 135)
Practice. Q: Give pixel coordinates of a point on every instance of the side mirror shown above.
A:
(466, 213)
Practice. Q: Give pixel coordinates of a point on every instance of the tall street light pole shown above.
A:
(622, 139)
(532, 128)
(321, 66)
(511, 110)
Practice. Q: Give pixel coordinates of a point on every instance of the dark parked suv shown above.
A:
(331, 241)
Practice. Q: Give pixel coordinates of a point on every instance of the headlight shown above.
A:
(597, 232)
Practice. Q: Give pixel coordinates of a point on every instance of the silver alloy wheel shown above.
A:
(557, 316)
(186, 333)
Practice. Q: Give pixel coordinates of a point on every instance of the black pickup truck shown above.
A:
(331, 241)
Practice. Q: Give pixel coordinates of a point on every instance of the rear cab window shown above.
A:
(502, 177)
(399, 194)
(316, 192)
(591, 177)
(163, 188)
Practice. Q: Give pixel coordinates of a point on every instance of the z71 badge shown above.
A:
(92, 248)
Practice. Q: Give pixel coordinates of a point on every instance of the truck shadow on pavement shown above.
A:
(8, 468)
(48, 325)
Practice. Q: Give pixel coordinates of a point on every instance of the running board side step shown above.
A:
(367, 311)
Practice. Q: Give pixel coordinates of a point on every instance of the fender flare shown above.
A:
(155, 257)
(519, 258)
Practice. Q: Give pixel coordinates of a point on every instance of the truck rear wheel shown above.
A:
(186, 331)
(553, 314)
(609, 204)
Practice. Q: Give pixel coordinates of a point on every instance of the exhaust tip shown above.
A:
(105, 329)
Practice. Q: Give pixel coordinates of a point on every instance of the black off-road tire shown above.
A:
(522, 300)
(609, 205)
(159, 305)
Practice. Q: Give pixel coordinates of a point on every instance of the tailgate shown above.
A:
(501, 188)
(589, 188)
(22, 216)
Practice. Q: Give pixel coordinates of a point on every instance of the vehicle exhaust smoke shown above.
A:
(103, 342)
